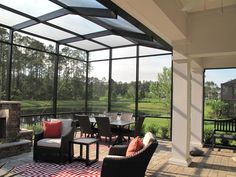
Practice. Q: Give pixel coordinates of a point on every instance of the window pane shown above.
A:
(120, 23)
(32, 78)
(32, 7)
(77, 24)
(71, 85)
(72, 52)
(3, 70)
(113, 40)
(10, 19)
(124, 52)
(98, 86)
(151, 51)
(155, 85)
(83, 3)
(99, 55)
(123, 85)
(87, 45)
(4, 34)
(49, 32)
(33, 42)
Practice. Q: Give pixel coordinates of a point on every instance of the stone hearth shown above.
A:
(10, 142)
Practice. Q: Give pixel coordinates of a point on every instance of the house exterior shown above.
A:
(228, 95)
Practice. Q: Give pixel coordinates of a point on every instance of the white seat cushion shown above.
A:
(149, 137)
(66, 125)
(50, 142)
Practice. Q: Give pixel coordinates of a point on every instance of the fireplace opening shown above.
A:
(2, 128)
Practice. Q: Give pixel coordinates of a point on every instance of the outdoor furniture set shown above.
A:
(59, 149)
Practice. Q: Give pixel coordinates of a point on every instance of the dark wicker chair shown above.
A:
(116, 164)
(85, 125)
(104, 128)
(52, 153)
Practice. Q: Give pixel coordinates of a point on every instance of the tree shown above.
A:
(162, 88)
(211, 90)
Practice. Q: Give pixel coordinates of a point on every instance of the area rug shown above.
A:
(75, 169)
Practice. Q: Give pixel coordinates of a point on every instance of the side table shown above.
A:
(81, 142)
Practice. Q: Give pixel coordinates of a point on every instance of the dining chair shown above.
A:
(104, 128)
(85, 125)
(112, 115)
(127, 116)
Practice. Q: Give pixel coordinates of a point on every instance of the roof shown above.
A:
(88, 25)
(231, 82)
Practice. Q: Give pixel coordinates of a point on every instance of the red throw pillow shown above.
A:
(134, 146)
(52, 129)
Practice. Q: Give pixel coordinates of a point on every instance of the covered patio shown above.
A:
(84, 44)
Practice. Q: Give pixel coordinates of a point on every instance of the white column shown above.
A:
(181, 113)
(196, 107)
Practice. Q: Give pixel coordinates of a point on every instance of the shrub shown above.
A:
(153, 128)
(35, 127)
(164, 132)
(207, 136)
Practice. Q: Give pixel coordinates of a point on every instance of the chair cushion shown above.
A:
(50, 142)
(135, 145)
(149, 137)
(52, 129)
(66, 125)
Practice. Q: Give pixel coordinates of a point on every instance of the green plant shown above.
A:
(164, 132)
(7, 173)
(35, 127)
(208, 136)
(153, 128)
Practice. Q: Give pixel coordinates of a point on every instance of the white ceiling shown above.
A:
(203, 5)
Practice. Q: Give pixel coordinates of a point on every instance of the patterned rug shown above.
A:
(75, 169)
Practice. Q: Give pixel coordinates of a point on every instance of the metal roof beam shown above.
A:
(87, 36)
(94, 12)
(43, 18)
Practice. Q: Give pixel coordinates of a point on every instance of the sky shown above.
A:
(220, 75)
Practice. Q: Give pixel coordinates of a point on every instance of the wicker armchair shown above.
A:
(54, 149)
(116, 164)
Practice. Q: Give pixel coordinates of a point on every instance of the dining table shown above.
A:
(119, 123)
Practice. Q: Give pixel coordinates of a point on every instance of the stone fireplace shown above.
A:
(10, 142)
(9, 120)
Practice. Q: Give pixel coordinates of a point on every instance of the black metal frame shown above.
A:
(149, 39)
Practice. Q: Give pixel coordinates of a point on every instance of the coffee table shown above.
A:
(83, 142)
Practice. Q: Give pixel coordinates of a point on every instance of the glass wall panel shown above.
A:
(71, 85)
(98, 86)
(33, 42)
(4, 34)
(99, 55)
(3, 69)
(72, 52)
(124, 52)
(32, 80)
(123, 85)
(155, 85)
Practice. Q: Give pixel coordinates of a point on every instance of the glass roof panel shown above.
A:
(99, 55)
(77, 24)
(49, 32)
(113, 40)
(151, 51)
(87, 45)
(120, 23)
(32, 7)
(10, 19)
(83, 3)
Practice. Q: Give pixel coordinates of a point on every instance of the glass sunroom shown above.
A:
(67, 57)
